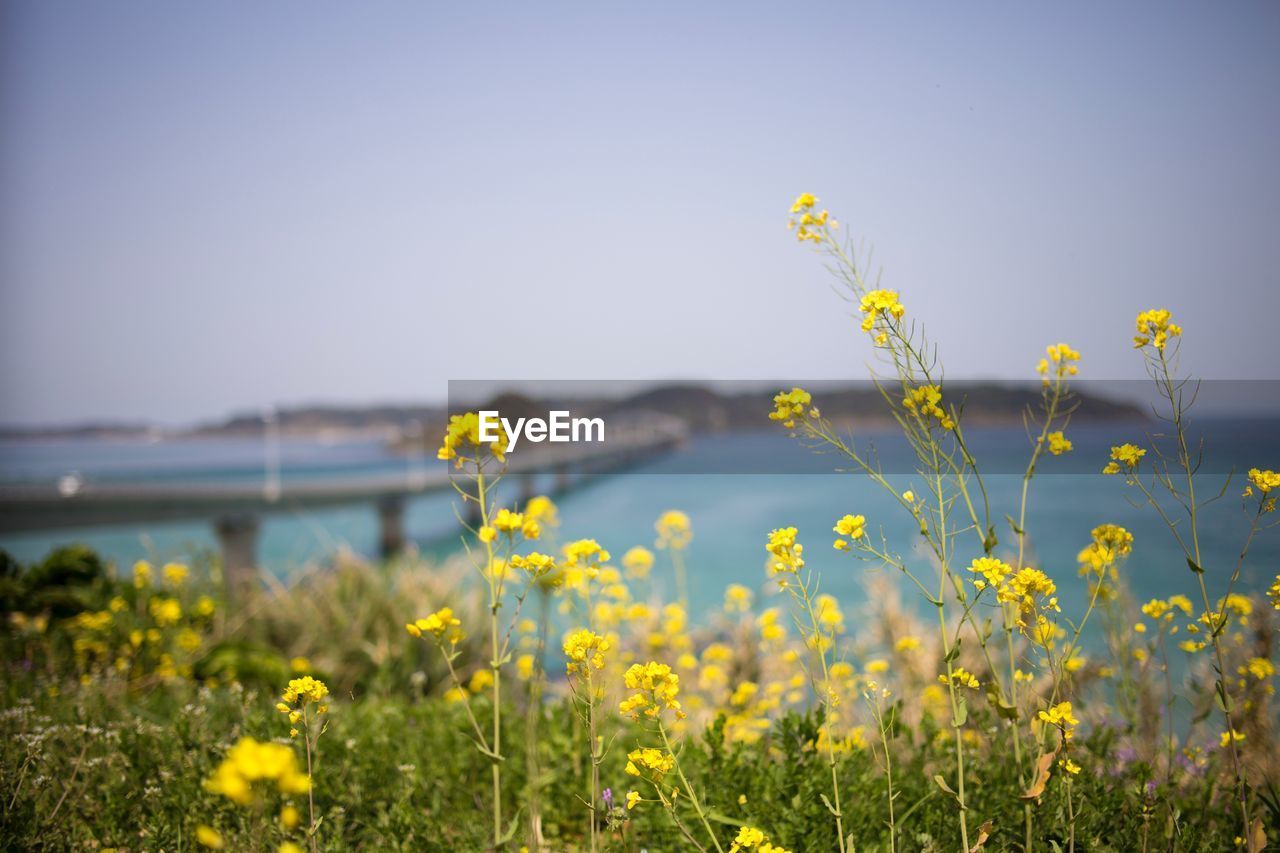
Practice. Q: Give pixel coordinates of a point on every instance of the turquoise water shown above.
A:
(735, 487)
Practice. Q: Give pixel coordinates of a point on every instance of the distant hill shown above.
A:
(704, 409)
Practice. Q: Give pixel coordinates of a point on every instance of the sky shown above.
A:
(207, 208)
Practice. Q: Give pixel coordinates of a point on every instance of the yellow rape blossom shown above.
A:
(1155, 327)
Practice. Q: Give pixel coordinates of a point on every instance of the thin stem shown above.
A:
(693, 798)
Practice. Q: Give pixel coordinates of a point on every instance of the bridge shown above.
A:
(236, 510)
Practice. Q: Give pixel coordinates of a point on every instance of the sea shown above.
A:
(736, 487)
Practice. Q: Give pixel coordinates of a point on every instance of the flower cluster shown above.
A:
(1154, 327)
(1059, 363)
(852, 526)
(787, 552)
(585, 649)
(510, 524)
(789, 405)
(442, 625)
(675, 532)
(650, 763)
(462, 440)
(251, 768)
(638, 562)
(808, 225)
(1060, 717)
(1110, 544)
(1265, 482)
(960, 677)
(750, 838)
(1124, 457)
(657, 689)
(300, 693)
(880, 305)
(994, 571)
(156, 628)
(536, 564)
(1033, 593)
(925, 402)
(1059, 443)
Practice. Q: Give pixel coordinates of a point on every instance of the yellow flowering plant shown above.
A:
(305, 703)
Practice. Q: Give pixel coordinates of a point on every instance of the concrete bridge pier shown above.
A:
(391, 538)
(238, 543)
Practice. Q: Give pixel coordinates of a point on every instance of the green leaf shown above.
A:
(962, 713)
(830, 807)
(1195, 568)
(954, 653)
(946, 789)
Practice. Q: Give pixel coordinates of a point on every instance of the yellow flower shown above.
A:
(1259, 668)
(289, 817)
(808, 224)
(994, 571)
(306, 689)
(507, 521)
(207, 836)
(166, 611)
(638, 561)
(1110, 543)
(1264, 481)
(462, 437)
(1032, 591)
(542, 510)
(737, 598)
(788, 405)
(1061, 717)
(1059, 364)
(804, 202)
(651, 763)
(786, 550)
(536, 564)
(633, 797)
(748, 839)
(585, 552)
(674, 530)
(1230, 736)
(924, 402)
(481, 680)
(1058, 443)
(853, 526)
(175, 574)
(1125, 457)
(584, 648)
(1154, 327)
(524, 667)
(1070, 766)
(877, 304)
(141, 574)
(657, 689)
(906, 644)
(961, 678)
(438, 624)
(249, 764)
(1273, 593)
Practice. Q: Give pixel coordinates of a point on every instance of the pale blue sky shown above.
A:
(207, 207)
